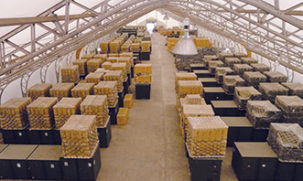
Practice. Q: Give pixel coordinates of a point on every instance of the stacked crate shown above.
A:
(240, 55)
(243, 94)
(276, 77)
(221, 72)
(87, 56)
(13, 113)
(232, 81)
(70, 73)
(96, 105)
(230, 61)
(79, 136)
(125, 47)
(184, 76)
(208, 58)
(254, 78)
(192, 110)
(143, 73)
(145, 46)
(122, 67)
(128, 101)
(128, 61)
(207, 136)
(82, 64)
(135, 47)
(224, 55)
(114, 46)
(39, 90)
(94, 64)
(112, 59)
(212, 65)
(115, 75)
(241, 68)
(82, 90)
(249, 60)
(40, 113)
(262, 112)
(271, 90)
(195, 99)
(291, 107)
(286, 140)
(94, 77)
(294, 88)
(102, 57)
(189, 87)
(122, 117)
(108, 88)
(61, 90)
(260, 67)
(104, 46)
(107, 65)
(64, 109)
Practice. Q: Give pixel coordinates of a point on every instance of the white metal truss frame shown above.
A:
(255, 29)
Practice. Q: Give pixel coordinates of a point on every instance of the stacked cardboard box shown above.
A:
(64, 109)
(94, 77)
(115, 75)
(189, 87)
(114, 46)
(286, 140)
(70, 73)
(143, 73)
(128, 101)
(40, 113)
(135, 47)
(241, 68)
(260, 67)
(122, 117)
(82, 63)
(108, 88)
(128, 62)
(254, 78)
(291, 107)
(96, 105)
(82, 90)
(230, 61)
(249, 60)
(232, 81)
(13, 114)
(276, 77)
(221, 72)
(294, 88)
(79, 136)
(87, 56)
(271, 90)
(103, 57)
(104, 46)
(213, 64)
(61, 90)
(262, 112)
(240, 55)
(39, 90)
(207, 136)
(107, 65)
(243, 94)
(122, 67)
(145, 46)
(93, 65)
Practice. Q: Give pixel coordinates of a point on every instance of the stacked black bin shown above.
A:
(143, 91)
(113, 111)
(105, 134)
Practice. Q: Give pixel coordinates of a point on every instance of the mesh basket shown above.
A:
(276, 77)
(271, 90)
(232, 81)
(294, 88)
(243, 94)
(254, 78)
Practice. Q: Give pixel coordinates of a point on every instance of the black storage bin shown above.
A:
(197, 67)
(125, 88)
(285, 171)
(47, 137)
(105, 134)
(239, 129)
(44, 163)
(5, 167)
(145, 56)
(203, 73)
(19, 136)
(215, 93)
(254, 161)
(227, 108)
(113, 111)
(132, 72)
(13, 160)
(121, 98)
(143, 91)
(57, 137)
(69, 169)
(299, 172)
(259, 135)
(209, 82)
(8, 137)
(129, 78)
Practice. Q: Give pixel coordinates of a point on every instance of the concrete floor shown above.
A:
(150, 146)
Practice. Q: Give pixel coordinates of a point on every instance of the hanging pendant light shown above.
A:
(186, 45)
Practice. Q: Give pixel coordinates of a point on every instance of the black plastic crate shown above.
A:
(215, 93)
(143, 91)
(145, 55)
(285, 171)
(69, 169)
(125, 87)
(209, 82)
(259, 135)
(105, 134)
(227, 108)
(254, 161)
(113, 111)
(15, 136)
(121, 98)
(129, 79)
(203, 73)
(47, 137)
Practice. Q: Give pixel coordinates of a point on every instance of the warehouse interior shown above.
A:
(202, 90)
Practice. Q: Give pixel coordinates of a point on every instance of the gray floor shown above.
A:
(150, 146)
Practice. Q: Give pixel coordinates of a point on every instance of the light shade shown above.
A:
(185, 47)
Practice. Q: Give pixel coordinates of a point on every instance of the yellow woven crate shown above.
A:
(143, 69)
(128, 62)
(113, 55)
(122, 117)
(87, 56)
(143, 78)
(64, 109)
(184, 76)
(103, 57)
(207, 136)
(104, 46)
(112, 59)
(202, 43)
(122, 67)
(125, 47)
(40, 113)
(115, 75)
(130, 55)
(114, 46)
(135, 47)
(13, 114)
(145, 46)
(108, 88)
(70, 73)
(82, 90)
(39, 90)
(128, 101)
(94, 64)
(94, 77)
(189, 87)
(61, 90)
(107, 65)
(79, 136)
(82, 63)
(96, 105)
